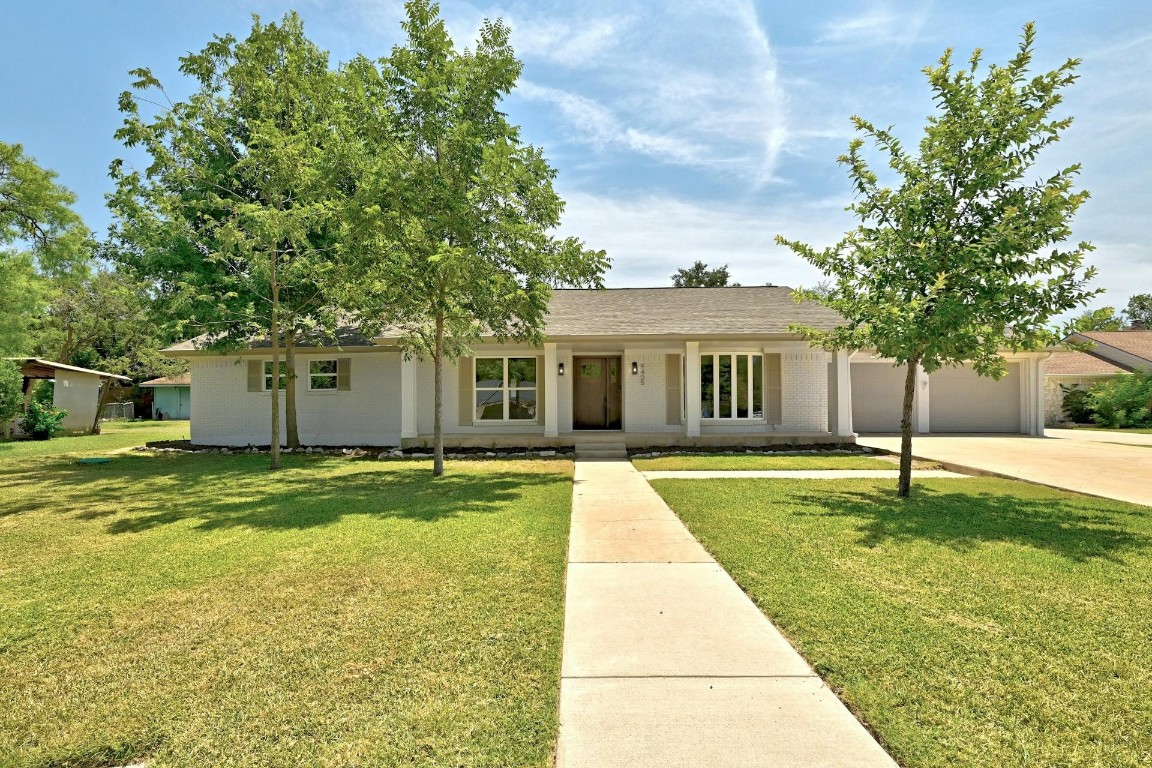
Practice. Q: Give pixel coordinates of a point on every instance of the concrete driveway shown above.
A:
(1115, 471)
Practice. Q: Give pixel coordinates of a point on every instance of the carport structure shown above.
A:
(79, 391)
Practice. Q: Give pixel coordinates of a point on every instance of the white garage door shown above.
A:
(877, 395)
(961, 401)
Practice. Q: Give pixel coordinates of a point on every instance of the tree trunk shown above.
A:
(437, 427)
(290, 390)
(274, 334)
(905, 485)
(105, 390)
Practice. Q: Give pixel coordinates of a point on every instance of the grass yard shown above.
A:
(759, 461)
(983, 622)
(113, 435)
(199, 610)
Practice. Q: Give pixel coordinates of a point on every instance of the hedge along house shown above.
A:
(640, 366)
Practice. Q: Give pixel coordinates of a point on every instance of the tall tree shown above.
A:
(41, 238)
(952, 264)
(237, 218)
(700, 276)
(1139, 311)
(455, 212)
(1103, 319)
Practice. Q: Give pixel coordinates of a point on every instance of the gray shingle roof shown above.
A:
(346, 336)
(752, 310)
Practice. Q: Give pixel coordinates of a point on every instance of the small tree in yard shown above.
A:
(236, 220)
(951, 264)
(454, 214)
(11, 395)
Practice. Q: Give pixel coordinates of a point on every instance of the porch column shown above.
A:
(920, 407)
(843, 394)
(692, 388)
(408, 401)
(551, 392)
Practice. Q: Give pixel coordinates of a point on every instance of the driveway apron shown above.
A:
(667, 662)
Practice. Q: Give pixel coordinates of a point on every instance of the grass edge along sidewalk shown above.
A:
(984, 622)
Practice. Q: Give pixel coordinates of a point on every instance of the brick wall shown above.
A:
(804, 391)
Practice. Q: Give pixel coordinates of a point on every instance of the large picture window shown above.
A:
(732, 386)
(505, 389)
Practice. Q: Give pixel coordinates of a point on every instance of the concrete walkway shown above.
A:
(1113, 436)
(668, 663)
(806, 474)
(1098, 469)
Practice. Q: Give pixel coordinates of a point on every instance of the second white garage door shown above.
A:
(961, 401)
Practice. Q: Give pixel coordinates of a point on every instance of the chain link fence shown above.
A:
(118, 412)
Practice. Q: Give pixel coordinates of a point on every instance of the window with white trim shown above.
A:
(505, 389)
(732, 386)
(323, 375)
(268, 375)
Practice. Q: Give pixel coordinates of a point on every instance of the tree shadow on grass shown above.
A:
(1080, 530)
(138, 494)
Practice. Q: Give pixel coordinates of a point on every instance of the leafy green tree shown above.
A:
(1123, 401)
(963, 256)
(237, 217)
(1139, 311)
(1103, 319)
(700, 276)
(11, 394)
(454, 213)
(41, 237)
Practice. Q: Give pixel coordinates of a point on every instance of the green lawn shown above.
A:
(982, 622)
(113, 435)
(200, 610)
(760, 461)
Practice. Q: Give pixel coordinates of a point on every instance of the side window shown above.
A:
(322, 374)
(268, 375)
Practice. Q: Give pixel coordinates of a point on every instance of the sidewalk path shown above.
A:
(668, 663)
(808, 474)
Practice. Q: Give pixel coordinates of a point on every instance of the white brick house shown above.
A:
(645, 366)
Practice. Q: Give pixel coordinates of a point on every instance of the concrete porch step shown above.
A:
(601, 450)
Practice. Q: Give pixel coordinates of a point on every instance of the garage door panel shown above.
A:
(962, 401)
(877, 397)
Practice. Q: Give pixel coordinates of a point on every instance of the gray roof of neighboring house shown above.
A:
(1138, 343)
(179, 380)
(1067, 362)
(35, 367)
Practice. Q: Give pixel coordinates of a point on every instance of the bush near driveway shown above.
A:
(199, 610)
(1123, 401)
(981, 622)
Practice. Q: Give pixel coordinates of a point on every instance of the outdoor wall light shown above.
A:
(561, 369)
(635, 368)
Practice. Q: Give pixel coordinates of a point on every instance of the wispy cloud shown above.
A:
(879, 25)
(570, 44)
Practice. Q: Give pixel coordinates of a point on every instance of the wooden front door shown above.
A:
(596, 393)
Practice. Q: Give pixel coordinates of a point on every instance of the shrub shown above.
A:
(43, 421)
(1123, 401)
(11, 392)
(1077, 404)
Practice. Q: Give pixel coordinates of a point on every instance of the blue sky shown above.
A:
(681, 130)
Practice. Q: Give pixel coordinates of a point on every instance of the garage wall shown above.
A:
(962, 401)
(877, 396)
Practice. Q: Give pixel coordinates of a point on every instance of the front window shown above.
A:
(268, 375)
(322, 374)
(732, 386)
(505, 389)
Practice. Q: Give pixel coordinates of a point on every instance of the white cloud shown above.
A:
(560, 42)
(879, 25)
(650, 237)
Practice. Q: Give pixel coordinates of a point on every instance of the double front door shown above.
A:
(596, 393)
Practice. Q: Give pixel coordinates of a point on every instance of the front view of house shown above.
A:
(642, 366)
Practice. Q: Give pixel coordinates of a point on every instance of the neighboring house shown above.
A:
(1109, 353)
(171, 396)
(643, 366)
(76, 390)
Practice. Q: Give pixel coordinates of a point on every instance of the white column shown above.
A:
(408, 400)
(692, 387)
(920, 405)
(843, 394)
(551, 392)
(1036, 395)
